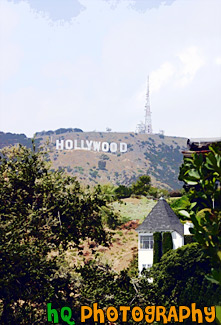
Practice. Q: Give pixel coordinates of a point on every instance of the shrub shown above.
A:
(102, 164)
(153, 191)
(176, 193)
(93, 173)
(167, 242)
(123, 191)
(157, 247)
(133, 267)
(180, 279)
(104, 157)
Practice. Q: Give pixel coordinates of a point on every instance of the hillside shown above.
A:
(157, 155)
(8, 139)
(123, 248)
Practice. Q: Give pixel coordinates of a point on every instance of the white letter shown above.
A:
(76, 145)
(89, 144)
(82, 145)
(113, 147)
(123, 147)
(68, 144)
(96, 145)
(59, 144)
(105, 146)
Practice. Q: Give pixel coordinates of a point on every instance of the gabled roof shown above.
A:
(161, 218)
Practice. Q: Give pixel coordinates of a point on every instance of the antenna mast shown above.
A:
(148, 123)
(146, 126)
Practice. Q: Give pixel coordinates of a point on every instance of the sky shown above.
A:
(84, 64)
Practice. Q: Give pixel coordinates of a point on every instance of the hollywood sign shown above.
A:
(91, 145)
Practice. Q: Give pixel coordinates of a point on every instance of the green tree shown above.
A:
(40, 211)
(123, 191)
(202, 177)
(142, 185)
(100, 284)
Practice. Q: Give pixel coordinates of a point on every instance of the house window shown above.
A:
(146, 266)
(146, 242)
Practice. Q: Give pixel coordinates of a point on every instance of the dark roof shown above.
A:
(161, 218)
(201, 143)
(199, 146)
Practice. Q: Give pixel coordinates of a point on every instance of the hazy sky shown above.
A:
(84, 64)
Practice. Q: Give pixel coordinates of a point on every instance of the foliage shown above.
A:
(104, 157)
(142, 185)
(109, 217)
(133, 267)
(202, 177)
(93, 173)
(99, 284)
(102, 164)
(167, 242)
(180, 204)
(157, 247)
(157, 192)
(63, 130)
(107, 191)
(123, 191)
(154, 192)
(176, 193)
(40, 210)
(179, 279)
(189, 239)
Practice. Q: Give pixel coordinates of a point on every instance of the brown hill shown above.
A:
(157, 155)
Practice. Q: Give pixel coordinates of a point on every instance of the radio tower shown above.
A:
(148, 123)
(146, 126)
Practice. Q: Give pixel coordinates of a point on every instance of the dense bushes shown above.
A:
(180, 279)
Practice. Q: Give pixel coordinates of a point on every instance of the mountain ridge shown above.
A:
(156, 155)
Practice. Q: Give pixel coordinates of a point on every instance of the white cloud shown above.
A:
(10, 52)
(10, 59)
(218, 60)
(192, 60)
(160, 77)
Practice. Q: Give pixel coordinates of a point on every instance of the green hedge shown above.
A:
(157, 247)
(167, 243)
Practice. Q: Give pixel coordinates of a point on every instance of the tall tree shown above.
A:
(142, 185)
(40, 211)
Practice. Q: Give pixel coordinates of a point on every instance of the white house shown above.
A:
(160, 219)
